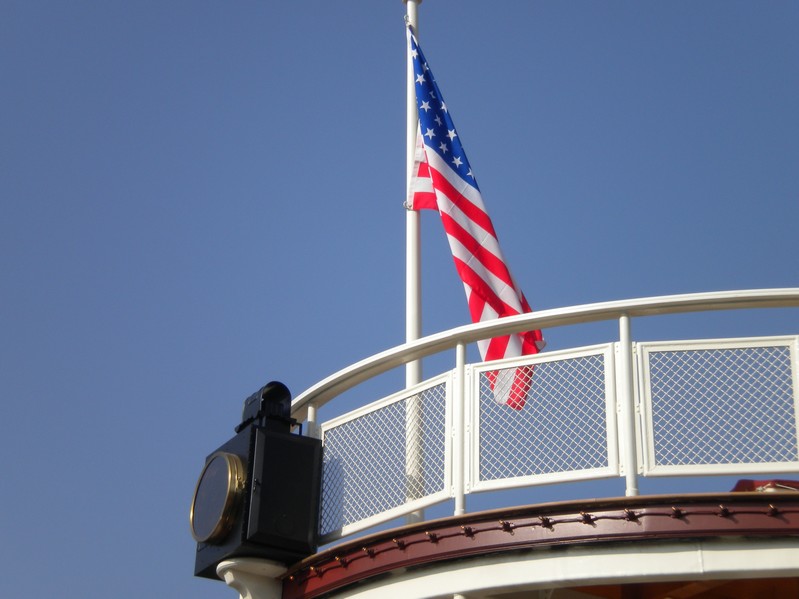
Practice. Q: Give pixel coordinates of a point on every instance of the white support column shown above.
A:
(627, 406)
(459, 431)
(414, 454)
(413, 286)
(253, 578)
(313, 425)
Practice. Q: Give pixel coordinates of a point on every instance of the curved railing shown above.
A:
(620, 408)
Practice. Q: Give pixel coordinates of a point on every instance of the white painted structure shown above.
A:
(550, 574)
(619, 409)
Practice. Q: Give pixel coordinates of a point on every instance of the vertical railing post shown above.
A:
(459, 431)
(626, 400)
(313, 426)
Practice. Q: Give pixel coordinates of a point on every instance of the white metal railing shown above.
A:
(565, 431)
(716, 407)
(370, 473)
(651, 409)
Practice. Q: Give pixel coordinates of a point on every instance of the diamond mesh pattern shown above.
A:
(364, 468)
(723, 406)
(561, 428)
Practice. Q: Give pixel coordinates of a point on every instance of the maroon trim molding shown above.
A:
(567, 523)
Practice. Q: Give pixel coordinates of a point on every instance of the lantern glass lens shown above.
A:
(213, 498)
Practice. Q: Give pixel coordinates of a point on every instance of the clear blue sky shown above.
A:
(199, 197)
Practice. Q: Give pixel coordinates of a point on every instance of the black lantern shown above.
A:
(258, 494)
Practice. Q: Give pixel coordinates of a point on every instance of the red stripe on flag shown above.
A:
(482, 290)
(421, 195)
(494, 264)
(476, 214)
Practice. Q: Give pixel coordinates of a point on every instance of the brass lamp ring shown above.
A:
(215, 503)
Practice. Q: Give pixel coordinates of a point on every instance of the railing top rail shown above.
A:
(351, 376)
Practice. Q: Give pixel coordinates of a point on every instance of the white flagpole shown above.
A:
(413, 294)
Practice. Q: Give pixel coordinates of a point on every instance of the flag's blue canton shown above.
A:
(436, 125)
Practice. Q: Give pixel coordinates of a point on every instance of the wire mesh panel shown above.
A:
(384, 460)
(565, 429)
(715, 406)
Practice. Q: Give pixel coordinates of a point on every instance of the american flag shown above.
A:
(443, 181)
